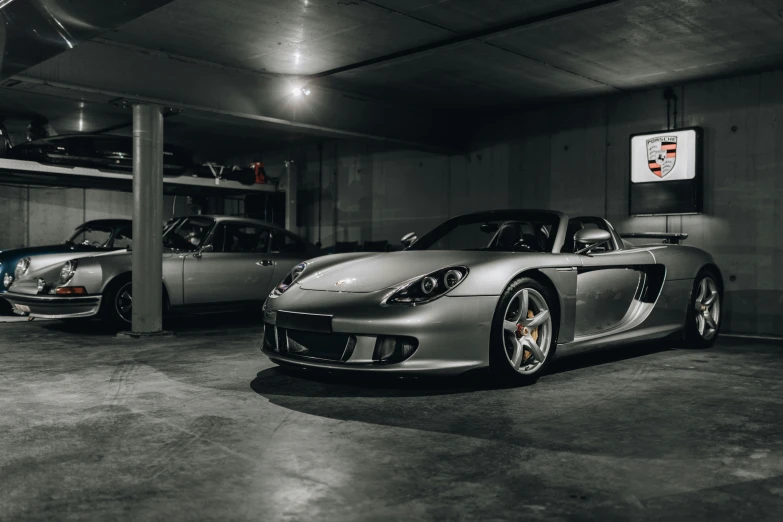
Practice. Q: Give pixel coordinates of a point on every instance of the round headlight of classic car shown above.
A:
(289, 280)
(21, 267)
(427, 287)
(67, 271)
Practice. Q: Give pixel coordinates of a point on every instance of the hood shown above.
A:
(19, 253)
(9, 258)
(48, 266)
(378, 272)
(43, 262)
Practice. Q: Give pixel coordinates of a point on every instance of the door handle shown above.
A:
(266, 262)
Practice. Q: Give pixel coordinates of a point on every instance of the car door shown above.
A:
(609, 282)
(233, 266)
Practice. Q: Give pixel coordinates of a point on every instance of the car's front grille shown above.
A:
(317, 345)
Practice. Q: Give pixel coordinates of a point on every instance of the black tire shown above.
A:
(113, 310)
(694, 338)
(500, 365)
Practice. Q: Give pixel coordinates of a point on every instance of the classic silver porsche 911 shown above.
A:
(209, 263)
(507, 289)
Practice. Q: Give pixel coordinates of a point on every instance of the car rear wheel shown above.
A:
(704, 311)
(524, 332)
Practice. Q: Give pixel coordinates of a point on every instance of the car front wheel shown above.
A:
(117, 306)
(524, 332)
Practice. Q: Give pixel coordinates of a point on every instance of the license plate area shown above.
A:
(304, 322)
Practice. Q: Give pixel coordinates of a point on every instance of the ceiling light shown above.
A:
(299, 91)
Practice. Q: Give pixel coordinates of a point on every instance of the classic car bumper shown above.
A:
(451, 333)
(53, 307)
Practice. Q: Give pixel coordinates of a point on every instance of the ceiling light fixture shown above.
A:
(299, 91)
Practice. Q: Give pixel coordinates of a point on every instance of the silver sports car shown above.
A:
(507, 289)
(209, 263)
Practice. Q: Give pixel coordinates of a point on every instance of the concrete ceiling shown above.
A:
(406, 71)
(593, 48)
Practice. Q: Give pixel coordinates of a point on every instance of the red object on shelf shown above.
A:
(258, 166)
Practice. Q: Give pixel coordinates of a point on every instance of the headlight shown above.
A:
(289, 280)
(428, 287)
(21, 267)
(67, 271)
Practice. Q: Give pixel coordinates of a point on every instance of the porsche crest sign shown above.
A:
(666, 172)
(665, 156)
(662, 154)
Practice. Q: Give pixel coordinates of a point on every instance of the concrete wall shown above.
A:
(361, 191)
(41, 216)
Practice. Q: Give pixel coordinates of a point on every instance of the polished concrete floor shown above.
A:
(201, 426)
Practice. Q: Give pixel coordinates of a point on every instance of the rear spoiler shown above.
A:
(671, 238)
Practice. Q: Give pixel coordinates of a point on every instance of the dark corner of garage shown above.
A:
(391, 260)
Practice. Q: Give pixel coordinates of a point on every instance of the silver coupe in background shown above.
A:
(209, 263)
(507, 289)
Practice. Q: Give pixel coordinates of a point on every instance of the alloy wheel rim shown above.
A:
(707, 306)
(527, 331)
(124, 303)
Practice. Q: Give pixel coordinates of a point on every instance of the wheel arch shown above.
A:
(126, 276)
(712, 267)
(545, 278)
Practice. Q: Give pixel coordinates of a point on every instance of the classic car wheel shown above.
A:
(123, 302)
(524, 332)
(703, 323)
(118, 303)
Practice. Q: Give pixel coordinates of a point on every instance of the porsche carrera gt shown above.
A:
(509, 289)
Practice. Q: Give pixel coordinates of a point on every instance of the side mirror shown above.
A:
(408, 239)
(490, 228)
(590, 238)
(207, 248)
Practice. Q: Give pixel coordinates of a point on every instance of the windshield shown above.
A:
(506, 231)
(188, 234)
(98, 237)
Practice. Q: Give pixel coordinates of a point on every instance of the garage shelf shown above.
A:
(34, 173)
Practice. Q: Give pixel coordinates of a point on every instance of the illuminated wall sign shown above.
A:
(666, 172)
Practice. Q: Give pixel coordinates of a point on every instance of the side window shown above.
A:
(96, 237)
(244, 238)
(284, 243)
(217, 239)
(123, 238)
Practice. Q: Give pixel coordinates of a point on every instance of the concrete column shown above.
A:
(147, 219)
(290, 196)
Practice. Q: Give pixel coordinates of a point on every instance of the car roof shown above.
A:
(108, 223)
(239, 219)
(529, 210)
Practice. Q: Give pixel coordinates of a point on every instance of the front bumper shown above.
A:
(452, 332)
(53, 307)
